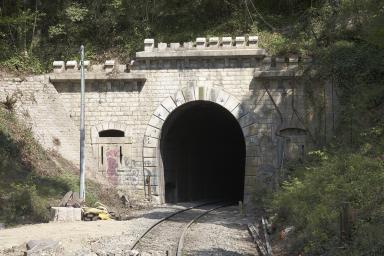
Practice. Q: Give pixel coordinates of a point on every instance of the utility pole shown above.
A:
(82, 130)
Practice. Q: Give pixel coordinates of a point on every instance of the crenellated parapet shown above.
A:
(110, 70)
(292, 66)
(203, 53)
(203, 47)
(74, 66)
(219, 52)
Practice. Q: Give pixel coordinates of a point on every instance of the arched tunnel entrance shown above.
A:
(203, 152)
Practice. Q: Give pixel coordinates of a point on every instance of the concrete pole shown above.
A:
(82, 130)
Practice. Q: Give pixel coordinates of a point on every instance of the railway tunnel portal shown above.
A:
(214, 118)
(203, 152)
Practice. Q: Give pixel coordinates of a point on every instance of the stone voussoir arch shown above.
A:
(94, 132)
(152, 162)
(107, 126)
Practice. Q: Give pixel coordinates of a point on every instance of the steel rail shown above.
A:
(180, 245)
(168, 217)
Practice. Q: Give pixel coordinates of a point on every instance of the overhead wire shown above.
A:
(261, 16)
(249, 12)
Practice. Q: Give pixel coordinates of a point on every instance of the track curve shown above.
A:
(167, 235)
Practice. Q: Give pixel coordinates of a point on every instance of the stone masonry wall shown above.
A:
(265, 94)
(39, 104)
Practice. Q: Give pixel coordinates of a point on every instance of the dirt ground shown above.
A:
(75, 236)
(223, 232)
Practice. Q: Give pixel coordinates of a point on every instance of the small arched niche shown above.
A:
(295, 142)
(112, 150)
(111, 133)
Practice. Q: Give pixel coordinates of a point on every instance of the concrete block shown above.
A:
(150, 142)
(161, 112)
(222, 98)
(87, 64)
(201, 42)
(71, 65)
(156, 122)
(58, 66)
(162, 46)
(253, 41)
(189, 94)
(227, 42)
(109, 65)
(214, 42)
(149, 44)
(231, 103)
(179, 98)
(169, 104)
(175, 46)
(65, 214)
(240, 41)
(152, 132)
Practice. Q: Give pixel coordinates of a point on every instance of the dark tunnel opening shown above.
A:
(203, 152)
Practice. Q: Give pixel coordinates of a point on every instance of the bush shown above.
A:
(23, 64)
(312, 201)
(30, 180)
(24, 205)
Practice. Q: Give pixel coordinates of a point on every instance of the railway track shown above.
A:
(166, 237)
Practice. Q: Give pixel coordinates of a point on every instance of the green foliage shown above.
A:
(76, 12)
(278, 44)
(357, 70)
(56, 31)
(51, 30)
(312, 201)
(22, 64)
(30, 179)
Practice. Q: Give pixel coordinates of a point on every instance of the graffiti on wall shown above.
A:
(112, 157)
(131, 171)
(121, 170)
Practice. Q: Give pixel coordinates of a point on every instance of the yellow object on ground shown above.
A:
(104, 216)
(100, 211)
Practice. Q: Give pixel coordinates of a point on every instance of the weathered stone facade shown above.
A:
(264, 94)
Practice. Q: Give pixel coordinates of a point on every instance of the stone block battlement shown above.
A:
(203, 47)
(74, 66)
(110, 70)
(210, 43)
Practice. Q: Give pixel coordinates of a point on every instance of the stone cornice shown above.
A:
(62, 77)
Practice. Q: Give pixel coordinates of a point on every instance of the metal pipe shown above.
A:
(82, 130)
